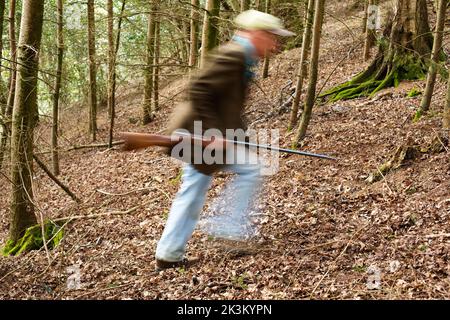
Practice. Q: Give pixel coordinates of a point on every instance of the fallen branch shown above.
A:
(55, 179)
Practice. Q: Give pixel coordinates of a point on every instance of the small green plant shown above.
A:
(359, 268)
(177, 179)
(414, 93)
(240, 281)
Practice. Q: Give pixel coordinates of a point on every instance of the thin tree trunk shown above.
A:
(92, 71)
(306, 43)
(25, 106)
(156, 63)
(210, 29)
(13, 48)
(437, 49)
(245, 5)
(370, 30)
(194, 34)
(3, 94)
(59, 33)
(364, 21)
(112, 56)
(446, 120)
(265, 72)
(147, 115)
(313, 72)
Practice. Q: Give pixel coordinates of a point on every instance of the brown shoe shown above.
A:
(184, 263)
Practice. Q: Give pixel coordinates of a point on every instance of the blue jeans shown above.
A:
(189, 201)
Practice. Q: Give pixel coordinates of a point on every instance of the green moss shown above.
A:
(380, 75)
(33, 240)
(414, 93)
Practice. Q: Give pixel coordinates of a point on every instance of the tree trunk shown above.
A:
(147, 115)
(3, 91)
(313, 72)
(245, 5)
(92, 71)
(3, 95)
(403, 57)
(194, 34)
(210, 28)
(59, 35)
(446, 120)
(370, 29)
(13, 48)
(365, 16)
(25, 106)
(156, 63)
(437, 49)
(306, 43)
(112, 56)
(265, 72)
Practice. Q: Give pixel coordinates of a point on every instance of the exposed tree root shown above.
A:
(386, 70)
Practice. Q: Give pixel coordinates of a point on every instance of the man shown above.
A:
(216, 99)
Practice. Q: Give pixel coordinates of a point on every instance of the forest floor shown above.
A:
(325, 233)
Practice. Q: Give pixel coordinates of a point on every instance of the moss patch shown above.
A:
(33, 240)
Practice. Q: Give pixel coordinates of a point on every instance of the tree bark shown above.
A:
(92, 70)
(313, 72)
(3, 92)
(59, 35)
(13, 48)
(156, 64)
(446, 120)
(437, 49)
(365, 16)
(265, 72)
(306, 43)
(194, 34)
(3, 95)
(147, 115)
(25, 106)
(245, 5)
(210, 29)
(370, 30)
(112, 56)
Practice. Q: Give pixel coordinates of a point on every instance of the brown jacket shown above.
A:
(216, 96)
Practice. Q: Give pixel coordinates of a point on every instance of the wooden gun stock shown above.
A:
(135, 141)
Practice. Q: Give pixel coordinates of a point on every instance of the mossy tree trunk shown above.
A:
(24, 118)
(92, 70)
(402, 55)
(437, 49)
(306, 43)
(313, 72)
(147, 112)
(210, 30)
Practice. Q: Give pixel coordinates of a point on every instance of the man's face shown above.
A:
(264, 42)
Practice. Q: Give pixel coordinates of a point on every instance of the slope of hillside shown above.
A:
(324, 232)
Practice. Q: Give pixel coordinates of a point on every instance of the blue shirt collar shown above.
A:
(251, 59)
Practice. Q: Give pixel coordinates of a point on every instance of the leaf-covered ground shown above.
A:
(324, 233)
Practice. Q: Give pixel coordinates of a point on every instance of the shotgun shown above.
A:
(135, 141)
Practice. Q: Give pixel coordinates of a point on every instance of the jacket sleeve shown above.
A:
(212, 85)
